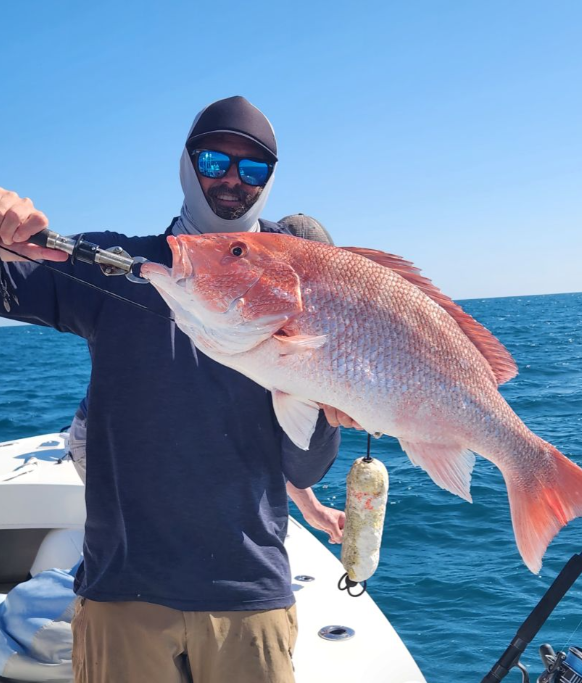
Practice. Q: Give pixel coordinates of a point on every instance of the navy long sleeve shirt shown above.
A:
(186, 462)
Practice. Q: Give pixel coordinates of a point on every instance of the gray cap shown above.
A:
(307, 227)
(235, 115)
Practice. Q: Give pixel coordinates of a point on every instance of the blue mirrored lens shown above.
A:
(213, 164)
(253, 172)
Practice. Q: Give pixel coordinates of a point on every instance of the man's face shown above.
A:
(228, 196)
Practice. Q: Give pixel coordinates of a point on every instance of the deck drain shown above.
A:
(336, 632)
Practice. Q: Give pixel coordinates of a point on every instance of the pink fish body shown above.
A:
(362, 331)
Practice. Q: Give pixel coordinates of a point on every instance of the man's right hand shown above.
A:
(19, 221)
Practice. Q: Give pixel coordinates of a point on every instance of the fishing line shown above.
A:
(368, 457)
(88, 284)
(571, 636)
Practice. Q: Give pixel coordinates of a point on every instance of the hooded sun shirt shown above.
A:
(233, 115)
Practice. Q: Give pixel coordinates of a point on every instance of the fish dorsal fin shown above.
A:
(498, 357)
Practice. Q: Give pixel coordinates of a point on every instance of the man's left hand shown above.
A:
(327, 519)
(337, 418)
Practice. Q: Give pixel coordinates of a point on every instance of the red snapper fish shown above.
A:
(364, 332)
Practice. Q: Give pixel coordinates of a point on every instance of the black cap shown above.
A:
(236, 115)
(307, 227)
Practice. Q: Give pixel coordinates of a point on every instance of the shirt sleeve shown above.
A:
(305, 468)
(46, 293)
(35, 293)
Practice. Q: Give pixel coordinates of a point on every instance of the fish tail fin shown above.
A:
(541, 505)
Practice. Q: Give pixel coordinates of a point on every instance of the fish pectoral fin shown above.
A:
(297, 417)
(299, 343)
(449, 466)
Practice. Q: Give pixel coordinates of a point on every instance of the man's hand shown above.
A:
(19, 221)
(317, 515)
(336, 418)
(329, 520)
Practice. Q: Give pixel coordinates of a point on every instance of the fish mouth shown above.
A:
(181, 264)
(150, 268)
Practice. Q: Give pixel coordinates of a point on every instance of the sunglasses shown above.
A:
(213, 164)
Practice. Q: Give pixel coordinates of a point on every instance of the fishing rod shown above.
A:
(560, 668)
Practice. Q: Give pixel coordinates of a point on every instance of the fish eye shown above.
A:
(238, 249)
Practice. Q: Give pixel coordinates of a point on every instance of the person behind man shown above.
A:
(306, 227)
(185, 575)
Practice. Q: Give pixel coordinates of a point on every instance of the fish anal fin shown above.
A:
(297, 417)
(449, 466)
(497, 356)
(299, 343)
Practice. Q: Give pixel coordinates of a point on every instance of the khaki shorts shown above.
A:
(138, 642)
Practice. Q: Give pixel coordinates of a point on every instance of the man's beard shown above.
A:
(227, 212)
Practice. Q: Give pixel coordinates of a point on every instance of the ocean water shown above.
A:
(450, 578)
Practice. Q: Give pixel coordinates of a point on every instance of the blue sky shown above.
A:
(446, 131)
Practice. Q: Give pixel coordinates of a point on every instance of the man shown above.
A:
(185, 572)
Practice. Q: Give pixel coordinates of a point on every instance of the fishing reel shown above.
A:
(561, 667)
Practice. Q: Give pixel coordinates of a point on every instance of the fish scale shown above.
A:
(365, 332)
(390, 354)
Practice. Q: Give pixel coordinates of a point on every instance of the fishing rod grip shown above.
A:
(526, 632)
(506, 662)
